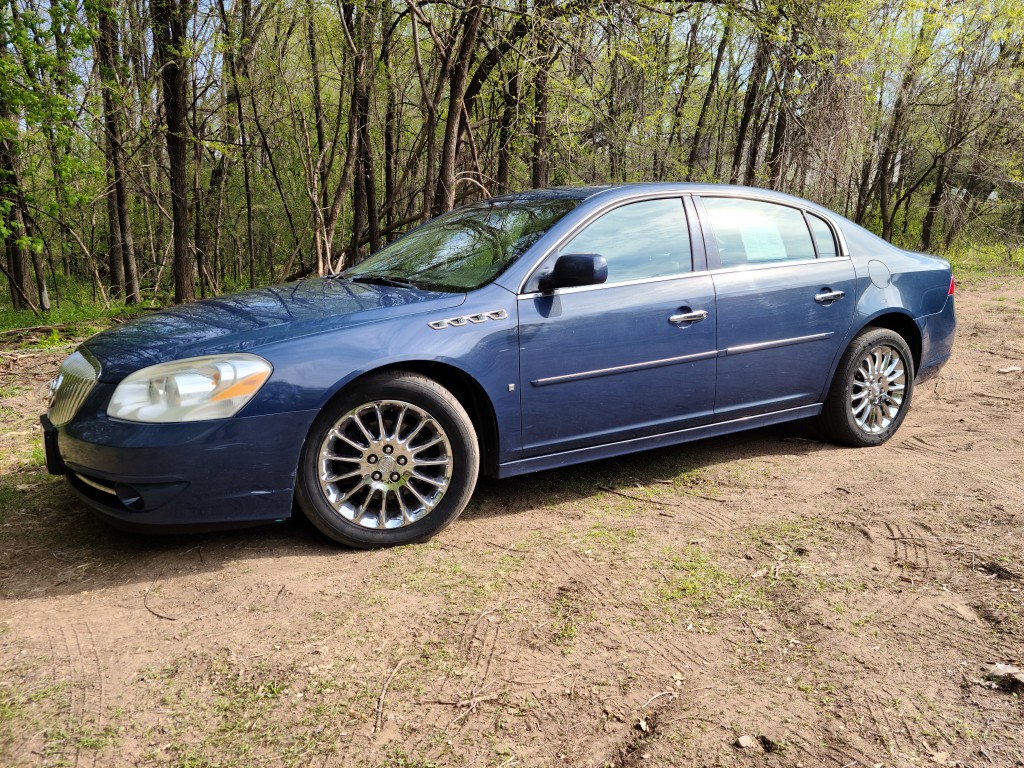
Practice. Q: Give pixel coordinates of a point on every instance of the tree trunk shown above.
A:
(444, 197)
(109, 54)
(505, 132)
(697, 145)
(539, 157)
(115, 260)
(750, 102)
(12, 204)
(170, 21)
(934, 202)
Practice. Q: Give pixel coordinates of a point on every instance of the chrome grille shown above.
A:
(74, 382)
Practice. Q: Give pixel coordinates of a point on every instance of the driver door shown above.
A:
(632, 357)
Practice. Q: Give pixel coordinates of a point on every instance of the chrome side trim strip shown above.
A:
(623, 368)
(603, 286)
(97, 486)
(773, 344)
(803, 263)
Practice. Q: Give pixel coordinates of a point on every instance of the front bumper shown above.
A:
(181, 477)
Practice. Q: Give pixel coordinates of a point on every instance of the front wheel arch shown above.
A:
(466, 389)
(432, 407)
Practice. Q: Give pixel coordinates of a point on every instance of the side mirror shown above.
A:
(575, 269)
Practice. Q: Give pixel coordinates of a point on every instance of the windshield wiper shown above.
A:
(381, 280)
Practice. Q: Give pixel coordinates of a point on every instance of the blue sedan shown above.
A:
(513, 335)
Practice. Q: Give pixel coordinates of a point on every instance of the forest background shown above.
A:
(156, 151)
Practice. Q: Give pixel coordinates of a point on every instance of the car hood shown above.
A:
(246, 321)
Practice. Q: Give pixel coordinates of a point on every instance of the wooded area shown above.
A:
(169, 149)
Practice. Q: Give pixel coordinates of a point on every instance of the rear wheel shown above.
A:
(871, 390)
(392, 461)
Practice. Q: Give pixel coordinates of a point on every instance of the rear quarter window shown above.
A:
(823, 237)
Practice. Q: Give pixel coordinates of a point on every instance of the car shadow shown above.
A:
(51, 543)
(680, 464)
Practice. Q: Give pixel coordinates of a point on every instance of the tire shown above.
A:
(391, 461)
(871, 391)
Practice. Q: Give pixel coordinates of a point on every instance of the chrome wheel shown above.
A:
(878, 386)
(385, 464)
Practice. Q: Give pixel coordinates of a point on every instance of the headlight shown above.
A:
(197, 389)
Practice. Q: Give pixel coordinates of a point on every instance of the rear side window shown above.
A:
(823, 237)
(754, 232)
(639, 240)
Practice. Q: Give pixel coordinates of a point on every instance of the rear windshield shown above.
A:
(467, 248)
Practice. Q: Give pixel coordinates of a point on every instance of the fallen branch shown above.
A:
(656, 696)
(628, 496)
(36, 328)
(540, 682)
(471, 702)
(379, 723)
(145, 602)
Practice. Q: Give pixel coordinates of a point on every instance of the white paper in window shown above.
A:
(762, 240)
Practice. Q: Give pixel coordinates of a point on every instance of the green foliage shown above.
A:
(992, 258)
(881, 111)
(77, 310)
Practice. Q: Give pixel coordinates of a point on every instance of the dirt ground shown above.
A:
(839, 607)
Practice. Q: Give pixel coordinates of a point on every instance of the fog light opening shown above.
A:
(130, 497)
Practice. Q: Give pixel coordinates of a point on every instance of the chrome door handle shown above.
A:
(689, 317)
(827, 297)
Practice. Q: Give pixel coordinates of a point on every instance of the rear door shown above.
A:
(631, 357)
(785, 300)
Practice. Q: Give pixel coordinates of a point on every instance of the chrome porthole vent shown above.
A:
(77, 376)
(385, 464)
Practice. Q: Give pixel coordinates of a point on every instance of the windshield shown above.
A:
(465, 249)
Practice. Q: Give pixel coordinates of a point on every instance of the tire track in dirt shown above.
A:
(909, 551)
(996, 472)
(77, 663)
(954, 381)
(595, 583)
(704, 514)
(925, 610)
(478, 641)
(901, 724)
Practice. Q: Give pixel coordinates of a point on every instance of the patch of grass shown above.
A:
(13, 390)
(98, 739)
(11, 705)
(792, 538)
(610, 537)
(220, 710)
(77, 307)
(697, 580)
(567, 613)
(398, 758)
(36, 456)
(32, 709)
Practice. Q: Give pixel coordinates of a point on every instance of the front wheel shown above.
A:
(392, 461)
(871, 390)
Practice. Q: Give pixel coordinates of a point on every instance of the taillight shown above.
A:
(952, 285)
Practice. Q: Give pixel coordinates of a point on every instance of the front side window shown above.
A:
(639, 240)
(467, 248)
(755, 232)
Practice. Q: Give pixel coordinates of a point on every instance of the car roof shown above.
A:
(626, 189)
